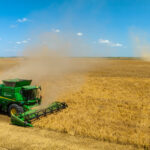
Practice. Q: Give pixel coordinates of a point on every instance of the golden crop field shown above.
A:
(112, 104)
(108, 108)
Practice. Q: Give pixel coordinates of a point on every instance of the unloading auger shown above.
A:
(18, 98)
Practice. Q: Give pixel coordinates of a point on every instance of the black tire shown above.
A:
(18, 108)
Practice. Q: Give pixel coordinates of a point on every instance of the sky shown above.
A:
(106, 26)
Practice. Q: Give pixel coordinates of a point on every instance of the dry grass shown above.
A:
(112, 105)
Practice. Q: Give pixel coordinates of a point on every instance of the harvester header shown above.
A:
(18, 98)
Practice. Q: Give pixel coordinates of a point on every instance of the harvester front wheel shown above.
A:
(15, 109)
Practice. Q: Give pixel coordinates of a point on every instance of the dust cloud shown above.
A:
(48, 64)
(141, 48)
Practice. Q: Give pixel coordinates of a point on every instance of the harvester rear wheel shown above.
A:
(15, 109)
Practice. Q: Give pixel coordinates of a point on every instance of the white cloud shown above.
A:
(109, 43)
(22, 42)
(117, 45)
(104, 41)
(57, 30)
(18, 43)
(79, 34)
(22, 20)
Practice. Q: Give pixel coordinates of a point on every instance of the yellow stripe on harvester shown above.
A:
(7, 98)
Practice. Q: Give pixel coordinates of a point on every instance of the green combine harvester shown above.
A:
(18, 98)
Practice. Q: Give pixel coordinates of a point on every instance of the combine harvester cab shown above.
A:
(18, 97)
